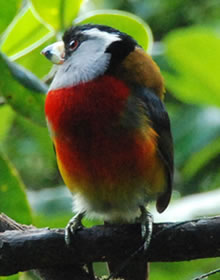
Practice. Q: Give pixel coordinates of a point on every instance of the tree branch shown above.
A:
(204, 276)
(45, 248)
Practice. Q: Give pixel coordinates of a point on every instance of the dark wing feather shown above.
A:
(156, 113)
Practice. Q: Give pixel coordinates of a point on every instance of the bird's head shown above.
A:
(86, 52)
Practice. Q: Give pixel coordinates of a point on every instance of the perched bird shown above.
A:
(109, 126)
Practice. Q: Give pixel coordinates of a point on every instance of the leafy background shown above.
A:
(186, 47)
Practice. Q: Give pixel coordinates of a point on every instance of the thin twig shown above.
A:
(203, 276)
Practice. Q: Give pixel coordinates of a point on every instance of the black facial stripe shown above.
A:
(80, 28)
(118, 49)
(79, 37)
(75, 32)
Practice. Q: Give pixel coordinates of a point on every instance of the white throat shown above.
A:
(88, 61)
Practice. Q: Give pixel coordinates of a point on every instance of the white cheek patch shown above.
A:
(88, 62)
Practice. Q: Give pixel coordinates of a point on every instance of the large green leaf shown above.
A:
(26, 32)
(58, 13)
(35, 62)
(7, 116)
(193, 131)
(12, 277)
(187, 269)
(24, 98)
(32, 150)
(124, 21)
(13, 201)
(198, 160)
(194, 57)
(196, 132)
(7, 12)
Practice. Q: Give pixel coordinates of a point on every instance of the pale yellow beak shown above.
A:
(55, 52)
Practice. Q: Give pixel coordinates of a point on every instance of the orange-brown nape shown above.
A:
(139, 68)
(142, 74)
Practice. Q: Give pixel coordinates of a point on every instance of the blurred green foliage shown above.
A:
(7, 12)
(193, 56)
(24, 98)
(187, 50)
(125, 21)
(59, 14)
(12, 193)
(34, 32)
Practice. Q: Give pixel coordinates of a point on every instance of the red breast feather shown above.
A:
(111, 167)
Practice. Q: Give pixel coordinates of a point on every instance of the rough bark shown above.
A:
(45, 248)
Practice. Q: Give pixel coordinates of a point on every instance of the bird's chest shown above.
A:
(86, 110)
(99, 154)
(86, 127)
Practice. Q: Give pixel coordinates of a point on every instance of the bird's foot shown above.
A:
(74, 224)
(146, 221)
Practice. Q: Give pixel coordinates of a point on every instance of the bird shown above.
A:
(107, 119)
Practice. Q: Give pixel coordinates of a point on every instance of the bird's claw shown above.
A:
(74, 224)
(146, 221)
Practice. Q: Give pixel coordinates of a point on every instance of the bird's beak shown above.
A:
(55, 52)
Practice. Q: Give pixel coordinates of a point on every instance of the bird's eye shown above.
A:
(73, 45)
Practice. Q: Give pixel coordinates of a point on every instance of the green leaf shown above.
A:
(7, 12)
(13, 201)
(7, 116)
(12, 277)
(34, 59)
(196, 129)
(25, 99)
(194, 57)
(58, 13)
(19, 276)
(30, 147)
(198, 160)
(124, 21)
(26, 32)
(187, 270)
